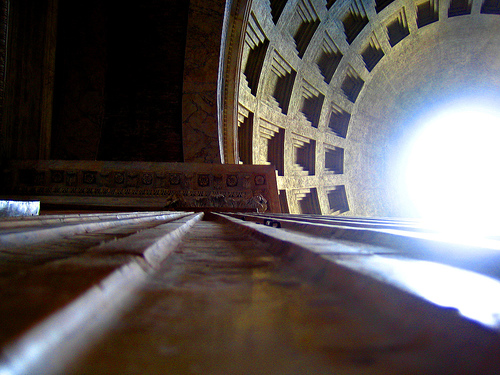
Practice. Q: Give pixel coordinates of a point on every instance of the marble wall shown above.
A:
(200, 130)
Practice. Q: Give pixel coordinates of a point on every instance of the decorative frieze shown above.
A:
(172, 185)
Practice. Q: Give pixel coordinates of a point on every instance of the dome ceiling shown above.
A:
(328, 91)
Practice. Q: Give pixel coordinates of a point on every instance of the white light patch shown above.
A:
(452, 175)
(473, 295)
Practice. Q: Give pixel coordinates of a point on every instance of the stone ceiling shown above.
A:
(329, 91)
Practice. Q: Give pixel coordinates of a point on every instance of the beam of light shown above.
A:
(472, 294)
(453, 172)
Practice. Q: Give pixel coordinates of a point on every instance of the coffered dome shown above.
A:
(329, 92)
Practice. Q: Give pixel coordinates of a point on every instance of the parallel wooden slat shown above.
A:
(231, 302)
(38, 221)
(319, 256)
(412, 225)
(475, 254)
(14, 239)
(86, 293)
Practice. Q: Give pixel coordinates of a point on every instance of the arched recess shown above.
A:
(235, 22)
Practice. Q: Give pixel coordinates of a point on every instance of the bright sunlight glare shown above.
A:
(452, 175)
